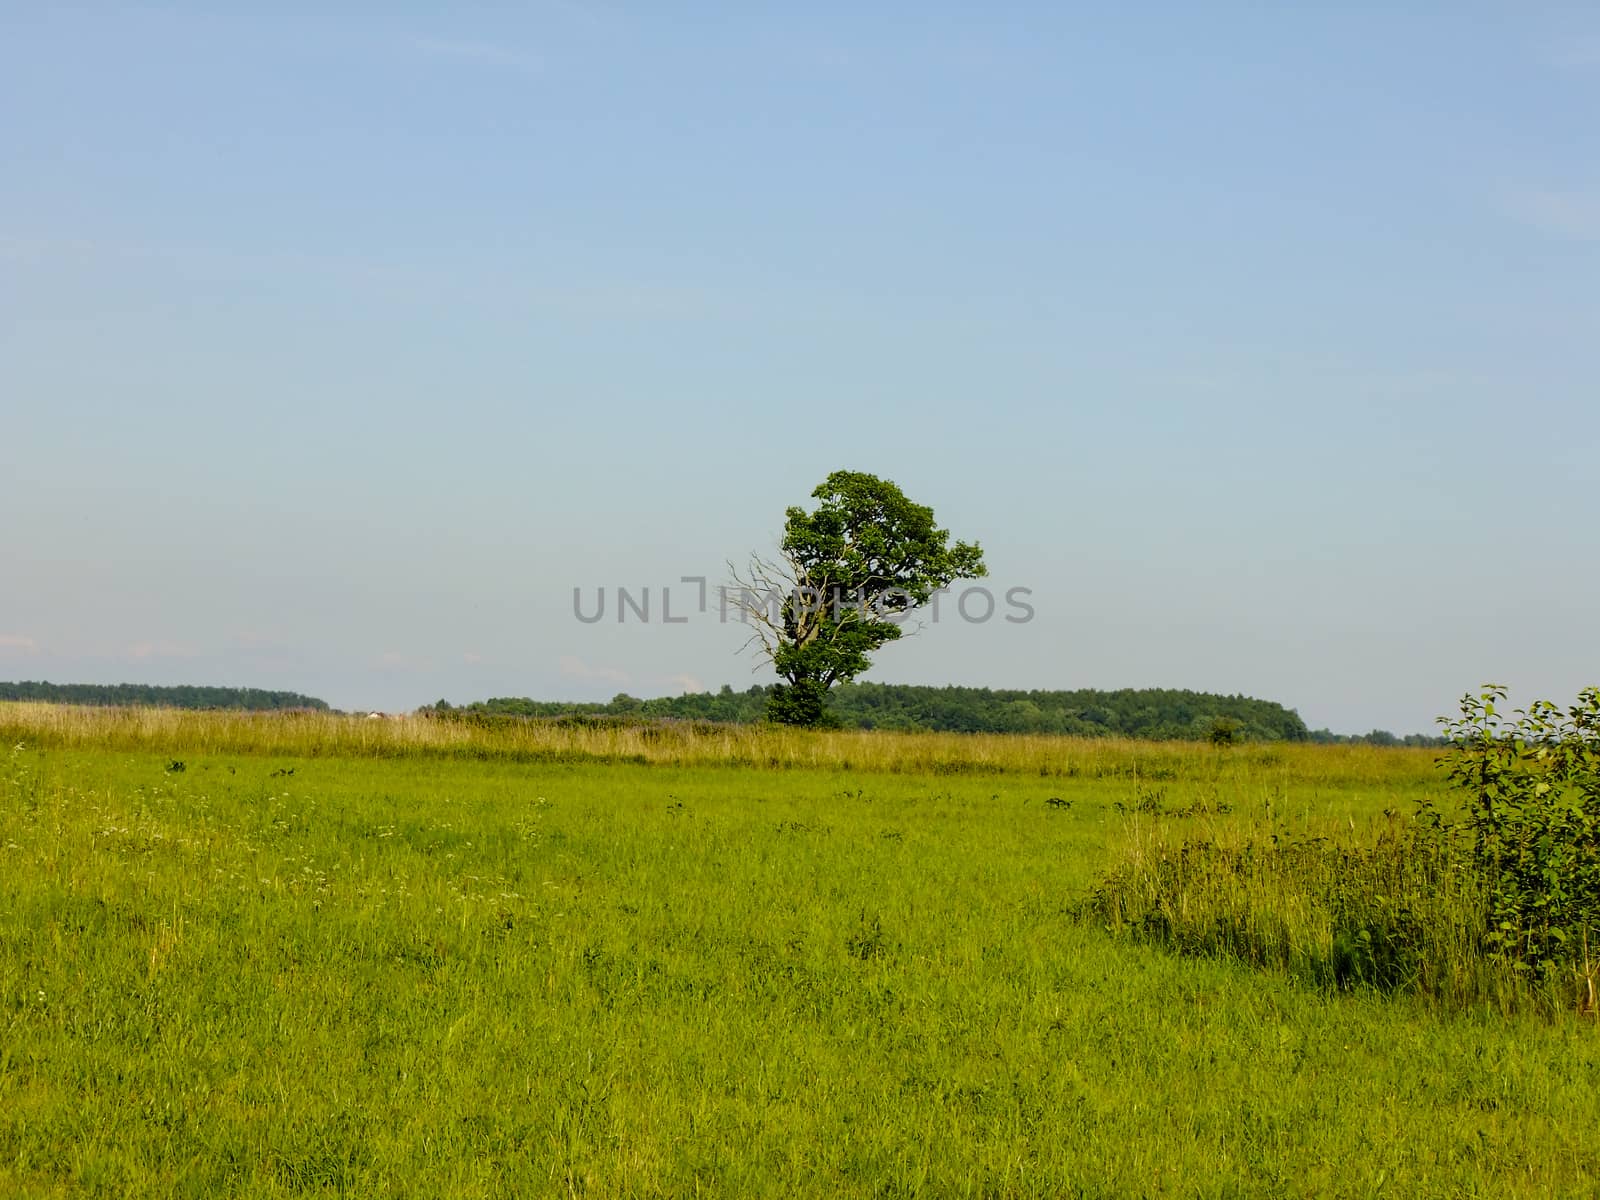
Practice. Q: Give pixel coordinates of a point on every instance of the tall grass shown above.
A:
(696, 744)
(1405, 911)
(1491, 896)
(1393, 914)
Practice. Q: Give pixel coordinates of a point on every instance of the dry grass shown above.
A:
(687, 744)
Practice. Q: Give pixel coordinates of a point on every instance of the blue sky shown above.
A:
(339, 345)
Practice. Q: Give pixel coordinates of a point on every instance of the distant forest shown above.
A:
(148, 695)
(1156, 713)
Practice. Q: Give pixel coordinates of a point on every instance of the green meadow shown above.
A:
(316, 956)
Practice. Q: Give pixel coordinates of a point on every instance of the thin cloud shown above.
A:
(16, 643)
(1566, 214)
(144, 651)
(33, 250)
(1579, 52)
(574, 667)
(621, 298)
(472, 658)
(484, 53)
(252, 639)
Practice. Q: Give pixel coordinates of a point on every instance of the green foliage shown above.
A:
(1154, 713)
(151, 695)
(1377, 737)
(1224, 731)
(863, 559)
(1496, 901)
(1532, 784)
(802, 702)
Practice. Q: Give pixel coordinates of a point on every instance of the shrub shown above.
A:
(1532, 785)
(1496, 901)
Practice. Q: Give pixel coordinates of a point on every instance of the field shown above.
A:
(315, 955)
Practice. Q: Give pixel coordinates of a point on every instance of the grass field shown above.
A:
(292, 956)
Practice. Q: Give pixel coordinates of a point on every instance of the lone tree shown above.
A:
(848, 574)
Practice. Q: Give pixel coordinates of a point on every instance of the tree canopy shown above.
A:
(1156, 713)
(849, 572)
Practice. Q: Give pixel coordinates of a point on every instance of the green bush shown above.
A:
(1494, 900)
(1532, 783)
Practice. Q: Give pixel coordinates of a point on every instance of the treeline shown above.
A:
(1155, 713)
(1378, 737)
(152, 696)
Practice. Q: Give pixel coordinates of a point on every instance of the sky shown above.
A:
(340, 344)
